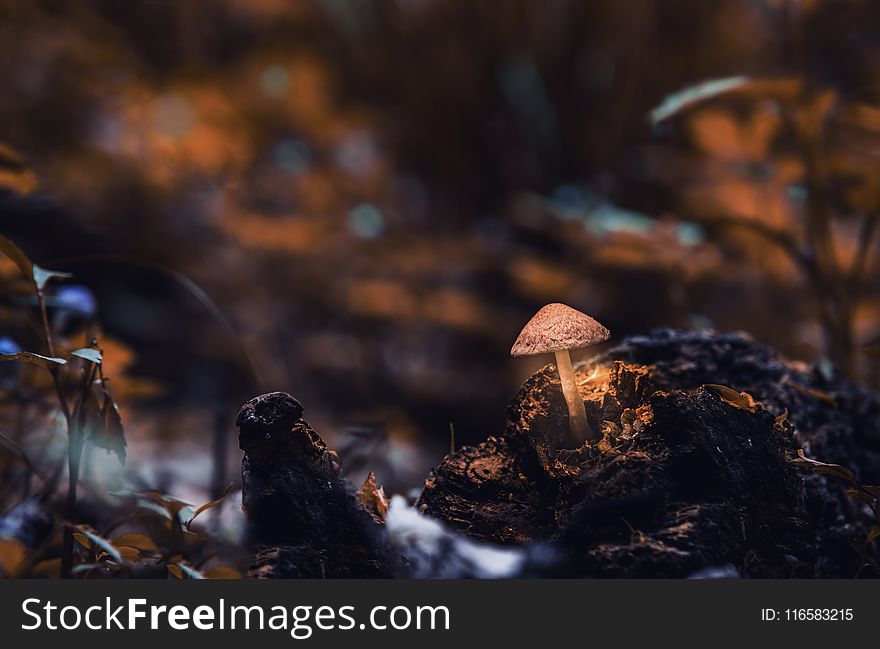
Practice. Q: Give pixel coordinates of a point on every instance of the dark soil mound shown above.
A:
(689, 475)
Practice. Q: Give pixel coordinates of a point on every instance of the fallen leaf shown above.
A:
(822, 467)
(372, 498)
(733, 398)
(781, 420)
(813, 392)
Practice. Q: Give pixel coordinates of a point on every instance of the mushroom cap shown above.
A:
(556, 327)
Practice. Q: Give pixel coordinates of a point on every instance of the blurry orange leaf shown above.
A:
(222, 572)
(810, 119)
(175, 570)
(38, 275)
(11, 250)
(717, 133)
(137, 541)
(128, 553)
(12, 553)
(83, 540)
(47, 569)
(813, 392)
(15, 175)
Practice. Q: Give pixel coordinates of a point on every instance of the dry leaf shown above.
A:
(813, 392)
(822, 467)
(372, 498)
(733, 398)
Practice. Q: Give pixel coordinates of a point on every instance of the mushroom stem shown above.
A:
(577, 414)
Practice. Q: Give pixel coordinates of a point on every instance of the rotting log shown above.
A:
(303, 518)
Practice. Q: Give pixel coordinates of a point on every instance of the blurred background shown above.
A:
(362, 202)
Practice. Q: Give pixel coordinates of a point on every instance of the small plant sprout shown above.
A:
(558, 328)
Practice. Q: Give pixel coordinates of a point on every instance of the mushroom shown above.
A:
(558, 328)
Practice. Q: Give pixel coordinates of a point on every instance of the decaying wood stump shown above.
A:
(686, 480)
(682, 481)
(304, 520)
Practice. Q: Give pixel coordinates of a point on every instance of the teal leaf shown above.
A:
(36, 359)
(88, 354)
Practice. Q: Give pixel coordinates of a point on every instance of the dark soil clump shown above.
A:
(685, 479)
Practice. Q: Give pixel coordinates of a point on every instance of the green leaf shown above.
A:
(109, 433)
(36, 359)
(88, 354)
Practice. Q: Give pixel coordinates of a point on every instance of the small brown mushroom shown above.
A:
(558, 328)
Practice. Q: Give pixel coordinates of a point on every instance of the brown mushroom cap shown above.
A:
(556, 327)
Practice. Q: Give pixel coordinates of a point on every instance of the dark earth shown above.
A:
(696, 474)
